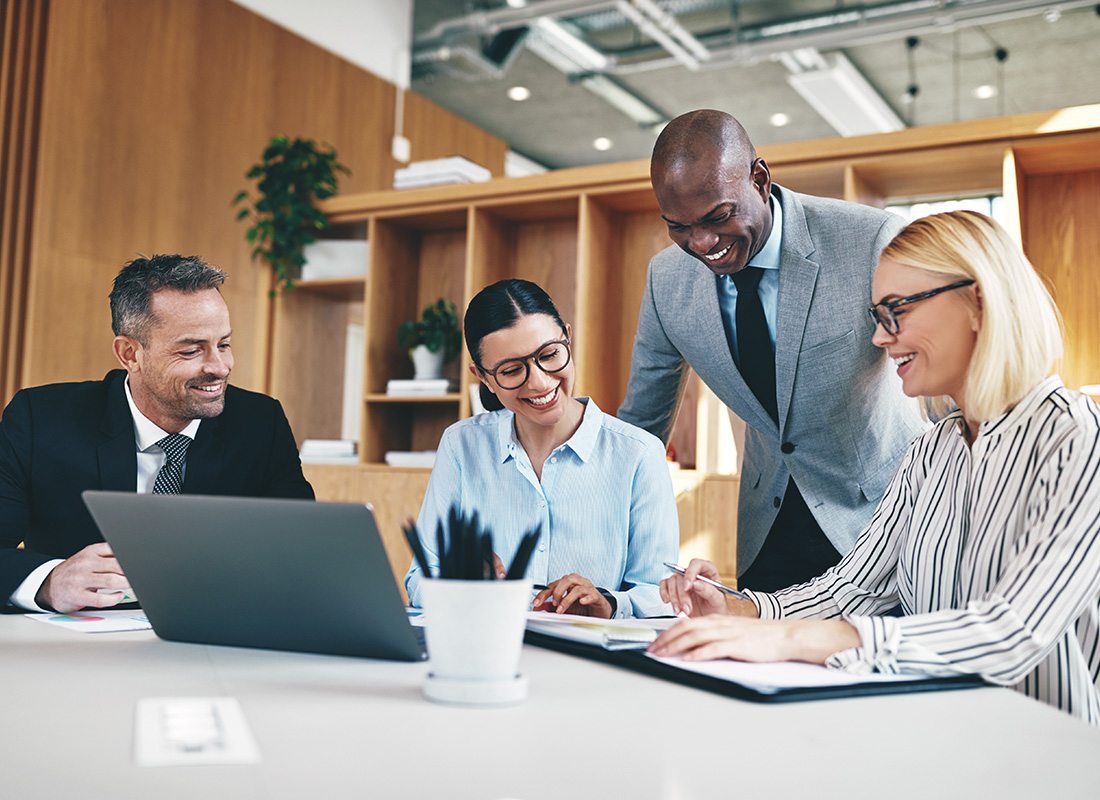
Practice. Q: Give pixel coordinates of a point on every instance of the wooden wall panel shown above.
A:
(22, 55)
(153, 110)
(1062, 240)
(437, 134)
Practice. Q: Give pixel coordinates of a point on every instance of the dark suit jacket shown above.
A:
(60, 439)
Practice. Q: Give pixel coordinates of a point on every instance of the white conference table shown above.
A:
(336, 727)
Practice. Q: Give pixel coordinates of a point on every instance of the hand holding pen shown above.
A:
(698, 591)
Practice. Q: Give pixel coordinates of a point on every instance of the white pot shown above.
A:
(426, 364)
(474, 632)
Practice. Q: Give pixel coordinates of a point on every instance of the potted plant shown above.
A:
(432, 340)
(291, 177)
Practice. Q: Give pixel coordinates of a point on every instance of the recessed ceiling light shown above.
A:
(985, 91)
(603, 143)
(779, 119)
(519, 93)
(517, 3)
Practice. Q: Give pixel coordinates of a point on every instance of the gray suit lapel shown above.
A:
(797, 279)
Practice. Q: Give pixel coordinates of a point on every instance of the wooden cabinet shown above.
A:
(586, 236)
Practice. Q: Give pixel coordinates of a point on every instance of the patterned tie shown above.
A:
(170, 478)
(754, 343)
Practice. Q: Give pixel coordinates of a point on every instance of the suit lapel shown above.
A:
(797, 279)
(204, 460)
(117, 450)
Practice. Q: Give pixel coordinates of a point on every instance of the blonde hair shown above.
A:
(1021, 332)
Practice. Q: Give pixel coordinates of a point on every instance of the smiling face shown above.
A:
(544, 398)
(716, 207)
(181, 372)
(936, 336)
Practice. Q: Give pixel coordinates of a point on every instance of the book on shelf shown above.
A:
(335, 258)
(329, 451)
(401, 387)
(403, 458)
(455, 169)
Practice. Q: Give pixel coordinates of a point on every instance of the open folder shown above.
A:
(622, 643)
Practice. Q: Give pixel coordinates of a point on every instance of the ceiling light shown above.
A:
(517, 3)
(519, 93)
(779, 119)
(1052, 14)
(985, 91)
(602, 143)
(565, 50)
(624, 100)
(845, 99)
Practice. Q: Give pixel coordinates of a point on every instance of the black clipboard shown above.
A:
(638, 662)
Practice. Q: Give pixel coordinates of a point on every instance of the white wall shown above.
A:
(373, 34)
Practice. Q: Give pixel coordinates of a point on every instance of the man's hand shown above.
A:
(73, 583)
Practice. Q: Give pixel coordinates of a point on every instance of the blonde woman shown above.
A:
(988, 537)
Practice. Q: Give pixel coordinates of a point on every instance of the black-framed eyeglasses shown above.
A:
(512, 374)
(883, 313)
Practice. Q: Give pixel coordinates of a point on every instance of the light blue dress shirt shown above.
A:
(768, 260)
(605, 504)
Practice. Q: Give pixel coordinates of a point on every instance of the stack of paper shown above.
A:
(329, 451)
(335, 258)
(455, 169)
(420, 388)
(401, 458)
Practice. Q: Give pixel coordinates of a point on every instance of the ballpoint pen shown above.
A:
(720, 587)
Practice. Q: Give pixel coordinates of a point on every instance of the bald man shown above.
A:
(826, 421)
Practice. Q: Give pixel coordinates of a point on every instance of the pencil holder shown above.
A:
(474, 632)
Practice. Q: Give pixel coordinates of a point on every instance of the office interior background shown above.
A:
(129, 126)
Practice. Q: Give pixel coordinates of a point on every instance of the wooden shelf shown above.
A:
(413, 398)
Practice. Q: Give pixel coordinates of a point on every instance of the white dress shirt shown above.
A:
(993, 552)
(605, 504)
(150, 458)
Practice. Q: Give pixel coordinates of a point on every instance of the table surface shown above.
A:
(331, 726)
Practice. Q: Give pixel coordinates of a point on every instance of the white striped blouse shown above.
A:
(992, 551)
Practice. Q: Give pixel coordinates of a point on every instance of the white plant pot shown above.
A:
(474, 632)
(426, 364)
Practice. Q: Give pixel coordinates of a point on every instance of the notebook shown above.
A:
(257, 572)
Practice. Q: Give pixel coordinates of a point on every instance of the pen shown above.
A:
(720, 587)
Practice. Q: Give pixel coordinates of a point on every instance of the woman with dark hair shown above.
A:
(598, 488)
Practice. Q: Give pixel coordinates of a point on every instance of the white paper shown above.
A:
(104, 621)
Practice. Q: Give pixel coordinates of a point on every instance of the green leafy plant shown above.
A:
(291, 177)
(436, 329)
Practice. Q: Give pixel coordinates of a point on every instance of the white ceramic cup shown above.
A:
(474, 629)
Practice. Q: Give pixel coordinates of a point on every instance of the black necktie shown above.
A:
(754, 343)
(170, 478)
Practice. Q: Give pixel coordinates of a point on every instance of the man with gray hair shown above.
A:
(167, 422)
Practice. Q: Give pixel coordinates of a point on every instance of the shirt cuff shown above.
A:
(879, 639)
(23, 597)
(766, 604)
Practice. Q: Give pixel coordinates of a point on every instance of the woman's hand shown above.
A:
(743, 639)
(695, 598)
(574, 594)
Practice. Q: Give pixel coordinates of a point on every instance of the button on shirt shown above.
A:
(993, 552)
(768, 260)
(605, 504)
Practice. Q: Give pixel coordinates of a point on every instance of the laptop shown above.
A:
(258, 572)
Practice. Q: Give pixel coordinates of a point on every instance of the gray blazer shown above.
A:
(845, 423)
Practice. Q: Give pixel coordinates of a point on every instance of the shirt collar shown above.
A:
(768, 257)
(1019, 413)
(582, 442)
(146, 432)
